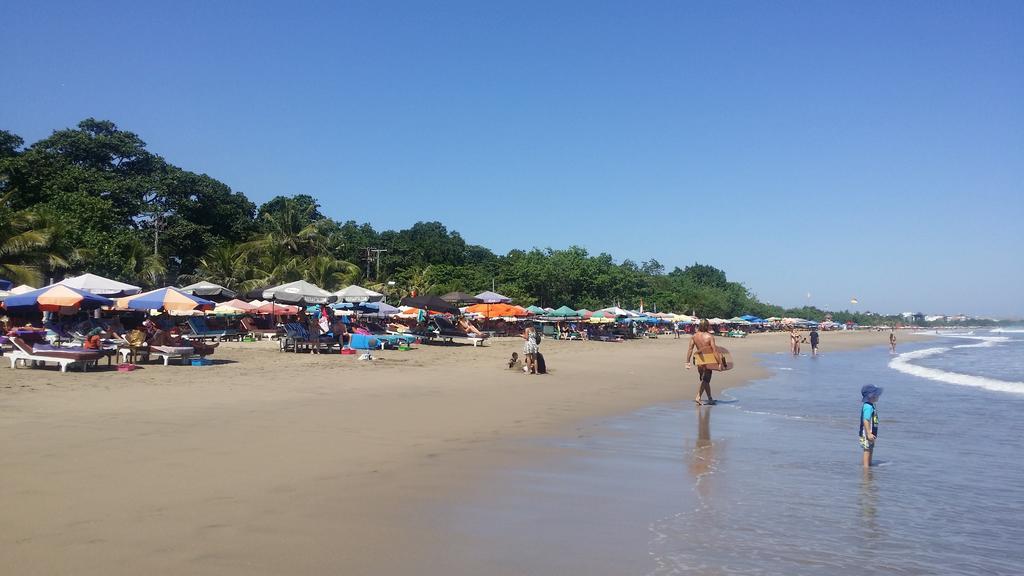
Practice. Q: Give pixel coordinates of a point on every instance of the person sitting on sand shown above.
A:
(707, 357)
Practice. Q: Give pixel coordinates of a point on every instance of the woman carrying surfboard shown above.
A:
(709, 357)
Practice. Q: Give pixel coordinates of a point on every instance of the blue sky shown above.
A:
(868, 149)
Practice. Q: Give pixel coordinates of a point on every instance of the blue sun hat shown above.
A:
(869, 391)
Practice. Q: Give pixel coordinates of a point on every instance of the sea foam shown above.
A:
(903, 364)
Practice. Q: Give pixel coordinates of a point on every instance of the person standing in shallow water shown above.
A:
(869, 421)
(707, 357)
(892, 341)
(814, 341)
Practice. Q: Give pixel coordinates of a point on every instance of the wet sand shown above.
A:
(271, 463)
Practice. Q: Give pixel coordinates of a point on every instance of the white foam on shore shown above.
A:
(902, 363)
(1007, 331)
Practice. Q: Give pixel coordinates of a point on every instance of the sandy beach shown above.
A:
(273, 463)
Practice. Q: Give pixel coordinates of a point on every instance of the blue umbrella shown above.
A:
(5, 284)
(169, 298)
(54, 298)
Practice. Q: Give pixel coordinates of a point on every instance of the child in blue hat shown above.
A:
(869, 420)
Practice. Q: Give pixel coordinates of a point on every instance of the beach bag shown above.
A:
(542, 367)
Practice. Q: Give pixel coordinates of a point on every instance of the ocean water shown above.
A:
(769, 481)
(785, 492)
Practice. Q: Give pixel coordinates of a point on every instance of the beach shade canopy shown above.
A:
(430, 302)
(239, 305)
(209, 290)
(460, 299)
(55, 298)
(300, 293)
(497, 310)
(536, 310)
(379, 309)
(752, 319)
(492, 298)
(564, 312)
(606, 314)
(5, 284)
(235, 306)
(100, 285)
(276, 309)
(169, 299)
(355, 293)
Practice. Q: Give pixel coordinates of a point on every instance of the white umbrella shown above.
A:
(493, 298)
(100, 285)
(205, 289)
(356, 294)
(299, 292)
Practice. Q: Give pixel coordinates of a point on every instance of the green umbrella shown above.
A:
(565, 312)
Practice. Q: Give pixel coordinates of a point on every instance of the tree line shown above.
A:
(95, 199)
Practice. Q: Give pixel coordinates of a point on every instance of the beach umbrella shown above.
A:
(460, 298)
(55, 298)
(493, 298)
(381, 308)
(209, 290)
(299, 292)
(564, 312)
(100, 285)
(497, 310)
(5, 285)
(536, 310)
(169, 299)
(430, 302)
(355, 293)
(276, 309)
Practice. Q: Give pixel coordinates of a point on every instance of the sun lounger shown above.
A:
(296, 337)
(201, 331)
(392, 339)
(63, 357)
(249, 327)
(168, 353)
(445, 330)
(363, 342)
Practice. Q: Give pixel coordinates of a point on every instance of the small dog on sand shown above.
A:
(513, 363)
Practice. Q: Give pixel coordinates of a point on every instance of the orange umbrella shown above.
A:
(497, 310)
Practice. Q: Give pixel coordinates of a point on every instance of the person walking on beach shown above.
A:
(530, 348)
(869, 421)
(814, 341)
(707, 358)
(892, 341)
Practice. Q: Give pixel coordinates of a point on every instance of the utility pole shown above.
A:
(377, 251)
(371, 254)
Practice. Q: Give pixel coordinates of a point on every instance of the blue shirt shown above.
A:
(867, 411)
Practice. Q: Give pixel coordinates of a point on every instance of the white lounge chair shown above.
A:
(24, 353)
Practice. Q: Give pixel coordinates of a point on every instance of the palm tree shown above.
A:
(140, 263)
(31, 245)
(416, 280)
(290, 229)
(330, 273)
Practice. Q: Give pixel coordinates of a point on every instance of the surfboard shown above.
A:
(709, 361)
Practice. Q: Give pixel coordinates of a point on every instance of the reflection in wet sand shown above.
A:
(703, 457)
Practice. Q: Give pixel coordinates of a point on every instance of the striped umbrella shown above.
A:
(56, 298)
(170, 299)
